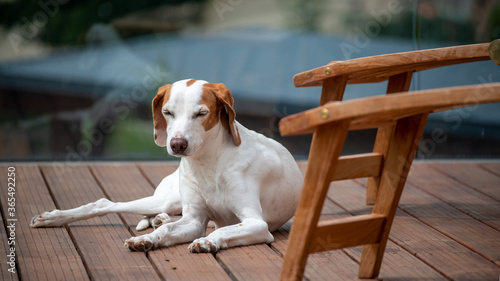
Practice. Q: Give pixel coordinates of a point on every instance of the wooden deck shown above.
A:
(447, 227)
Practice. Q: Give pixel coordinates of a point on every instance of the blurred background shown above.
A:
(77, 77)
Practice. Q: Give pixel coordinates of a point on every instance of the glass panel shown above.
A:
(77, 79)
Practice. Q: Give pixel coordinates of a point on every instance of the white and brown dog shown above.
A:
(244, 182)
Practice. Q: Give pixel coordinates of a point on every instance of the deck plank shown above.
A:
(493, 167)
(255, 262)
(441, 252)
(458, 195)
(464, 229)
(398, 264)
(42, 254)
(473, 176)
(99, 239)
(176, 263)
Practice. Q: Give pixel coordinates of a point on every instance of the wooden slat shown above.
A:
(126, 183)
(379, 68)
(376, 111)
(464, 198)
(464, 229)
(99, 239)
(492, 167)
(347, 232)
(42, 254)
(255, 262)
(156, 172)
(473, 176)
(444, 254)
(357, 166)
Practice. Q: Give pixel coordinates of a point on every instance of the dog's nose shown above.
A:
(178, 145)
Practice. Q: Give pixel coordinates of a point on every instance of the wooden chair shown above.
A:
(400, 119)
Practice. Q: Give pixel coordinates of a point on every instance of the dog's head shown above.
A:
(185, 111)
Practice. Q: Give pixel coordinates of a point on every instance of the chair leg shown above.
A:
(327, 144)
(397, 83)
(400, 154)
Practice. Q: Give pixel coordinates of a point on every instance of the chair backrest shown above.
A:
(373, 112)
(380, 68)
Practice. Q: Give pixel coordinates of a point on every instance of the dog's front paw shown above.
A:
(203, 245)
(139, 244)
(46, 219)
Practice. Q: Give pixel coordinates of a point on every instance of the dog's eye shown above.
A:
(201, 113)
(167, 113)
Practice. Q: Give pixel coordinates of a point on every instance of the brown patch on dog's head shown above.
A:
(191, 82)
(214, 107)
(160, 123)
(223, 106)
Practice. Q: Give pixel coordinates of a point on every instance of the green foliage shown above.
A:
(65, 22)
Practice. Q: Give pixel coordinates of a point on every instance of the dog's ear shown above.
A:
(160, 131)
(228, 115)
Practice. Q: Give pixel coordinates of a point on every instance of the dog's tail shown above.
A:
(143, 224)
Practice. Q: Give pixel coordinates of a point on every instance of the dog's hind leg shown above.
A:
(148, 206)
(166, 199)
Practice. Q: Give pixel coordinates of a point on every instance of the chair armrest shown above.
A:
(380, 68)
(373, 112)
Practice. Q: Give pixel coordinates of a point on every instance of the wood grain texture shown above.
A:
(99, 239)
(347, 232)
(42, 254)
(473, 176)
(376, 111)
(452, 222)
(333, 89)
(357, 166)
(443, 229)
(380, 68)
(475, 204)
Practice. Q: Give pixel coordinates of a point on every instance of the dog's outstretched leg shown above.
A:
(149, 206)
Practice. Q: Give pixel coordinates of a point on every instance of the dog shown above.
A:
(248, 185)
